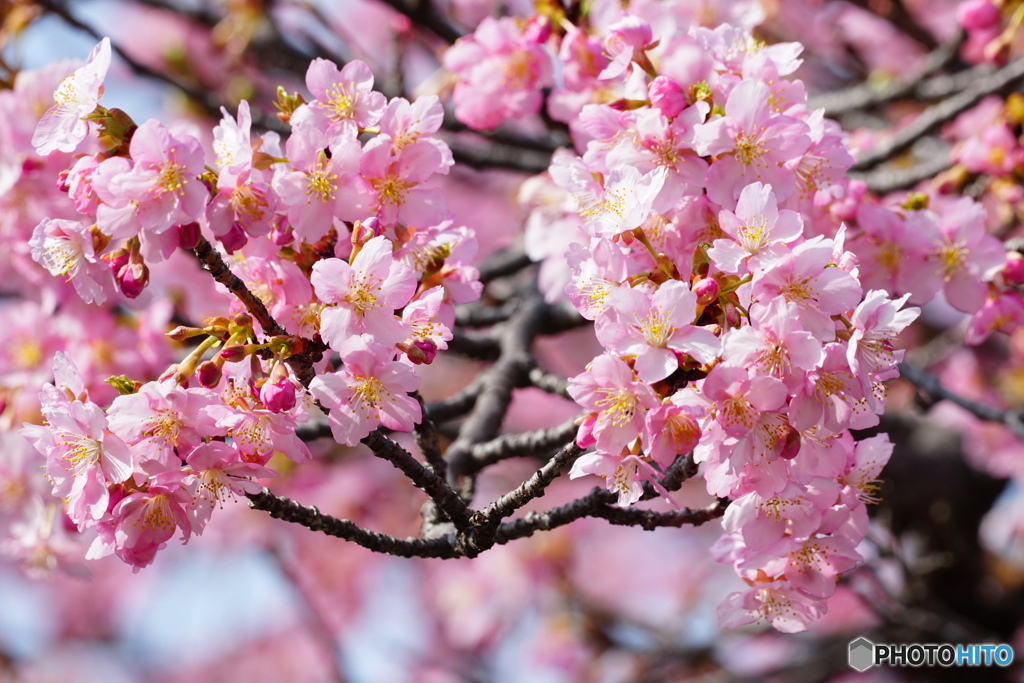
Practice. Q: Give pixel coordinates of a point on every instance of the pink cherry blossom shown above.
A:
(757, 226)
(653, 328)
(370, 390)
(63, 126)
(344, 100)
(365, 294)
(161, 418)
(619, 400)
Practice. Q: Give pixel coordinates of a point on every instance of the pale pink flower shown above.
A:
(397, 187)
(83, 457)
(1005, 313)
(617, 398)
(877, 322)
(627, 36)
(966, 255)
(424, 317)
(161, 189)
(739, 399)
(500, 72)
(63, 126)
(756, 229)
(778, 603)
(145, 520)
(774, 344)
(160, 418)
(219, 477)
(621, 474)
(67, 248)
(365, 295)
(654, 328)
(256, 432)
(344, 100)
(807, 277)
(310, 186)
(752, 144)
(370, 390)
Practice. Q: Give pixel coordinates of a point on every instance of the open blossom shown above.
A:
(778, 603)
(160, 418)
(370, 390)
(365, 294)
(160, 190)
(618, 400)
(83, 457)
(63, 126)
(219, 477)
(344, 99)
(877, 322)
(654, 328)
(68, 248)
(623, 202)
(500, 70)
(752, 144)
(309, 186)
(144, 521)
(756, 229)
(622, 474)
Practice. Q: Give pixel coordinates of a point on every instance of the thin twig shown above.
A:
(931, 386)
(522, 445)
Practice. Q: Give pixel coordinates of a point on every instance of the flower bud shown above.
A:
(282, 234)
(209, 373)
(118, 260)
(132, 279)
(538, 30)
(667, 96)
(188, 235)
(1013, 271)
(707, 291)
(234, 239)
(232, 353)
(278, 392)
(977, 15)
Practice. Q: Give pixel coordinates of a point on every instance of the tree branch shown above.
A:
(939, 114)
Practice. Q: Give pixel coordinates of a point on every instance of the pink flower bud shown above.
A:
(667, 96)
(118, 260)
(278, 392)
(538, 30)
(977, 15)
(707, 291)
(132, 279)
(1013, 271)
(233, 353)
(188, 235)
(282, 234)
(208, 373)
(419, 352)
(234, 239)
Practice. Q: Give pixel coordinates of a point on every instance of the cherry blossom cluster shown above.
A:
(340, 233)
(747, 295)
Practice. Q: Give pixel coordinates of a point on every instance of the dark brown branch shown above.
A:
(523, 445)
(534, 486)
(885, 180)
(550, 382)
(509, 372)
(505, 262)
(308, 516)
(447, 500)
(942, 112)
(599, 503)
(866, 95)
(931, 386)
(426, 439)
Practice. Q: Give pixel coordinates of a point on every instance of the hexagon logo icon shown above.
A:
(862, 654)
